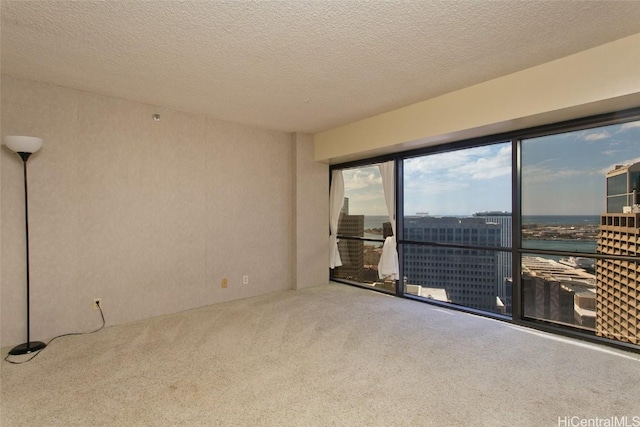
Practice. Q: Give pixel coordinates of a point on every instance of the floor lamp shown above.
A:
(24, 146)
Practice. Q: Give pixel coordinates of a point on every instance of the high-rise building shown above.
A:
(623, 185)
(345, 207)
(468, 276)
(618, 289)
(504, 220)
(558, 292)
(351, 251)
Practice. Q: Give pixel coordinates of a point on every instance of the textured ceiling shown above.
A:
(295, 65)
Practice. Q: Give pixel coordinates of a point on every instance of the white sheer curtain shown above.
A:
(336, 200)
(388, 265)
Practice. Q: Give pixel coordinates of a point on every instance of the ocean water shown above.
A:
(584, 246)
(561, 219)
(374, 221)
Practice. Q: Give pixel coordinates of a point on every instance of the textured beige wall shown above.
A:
(311, 215)
(149, 216)
(598, 80)
(1, 133)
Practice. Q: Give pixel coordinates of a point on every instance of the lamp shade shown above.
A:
(23, 144)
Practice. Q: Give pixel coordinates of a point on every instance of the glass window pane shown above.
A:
(616, 203)
(617, 185)
(364, 214)
(634, 181)
(364, 196)
(565, 181)
(579, 195)
(459, 198)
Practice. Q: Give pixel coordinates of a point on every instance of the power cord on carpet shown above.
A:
(6, 359)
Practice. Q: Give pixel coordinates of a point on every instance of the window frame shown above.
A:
(517, 251)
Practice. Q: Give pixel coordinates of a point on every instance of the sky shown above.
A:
(565, 174)
(562, 174)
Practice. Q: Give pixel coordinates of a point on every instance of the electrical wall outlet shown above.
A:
(97, 303)
(224, 282)
(245, 280)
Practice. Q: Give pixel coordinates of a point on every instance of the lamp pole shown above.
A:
(25, 146)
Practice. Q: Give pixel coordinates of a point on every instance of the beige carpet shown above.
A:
(330, 355)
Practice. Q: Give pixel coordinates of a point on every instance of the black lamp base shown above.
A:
(27, 348)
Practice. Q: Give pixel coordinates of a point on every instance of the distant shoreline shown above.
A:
(373, 222)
